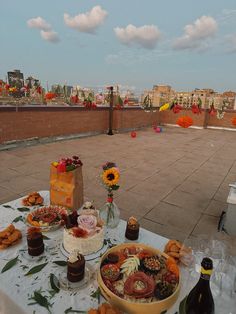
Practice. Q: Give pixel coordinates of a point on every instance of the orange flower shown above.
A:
(50, 96)
(185, 121)
(234, 121)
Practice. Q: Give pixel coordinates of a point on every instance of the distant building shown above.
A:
(16, 79)
(160, 94)
(229, 94)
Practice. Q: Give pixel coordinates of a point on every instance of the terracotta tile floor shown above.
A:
(175, 182)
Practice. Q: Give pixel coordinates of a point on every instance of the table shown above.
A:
(15, 288)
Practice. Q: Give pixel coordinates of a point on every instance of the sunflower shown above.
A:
(111, 176)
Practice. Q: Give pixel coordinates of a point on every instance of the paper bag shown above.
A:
(66, 188)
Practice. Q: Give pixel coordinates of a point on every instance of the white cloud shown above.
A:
(46, 31)
(195, 34)
(145, 36)
(50, 36)
(39, 23)
(86, 22)
(227, 15)
(231, 43)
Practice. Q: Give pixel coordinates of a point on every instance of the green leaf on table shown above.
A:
(60, 263)
(106, 241)
(52, 293)
(10, 264)
(24, 267)
(54, 282)
(8, 206)
(45, 237)
(23, 209)
(70, 310)
(41, 258)
(96, 294)
(41, 300)
(32, 303)
(35, 269)
(19, 218)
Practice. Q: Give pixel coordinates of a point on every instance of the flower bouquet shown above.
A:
(110, 177)
(185, 121)
(66, 183)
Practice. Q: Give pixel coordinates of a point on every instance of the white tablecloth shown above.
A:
(15, 288)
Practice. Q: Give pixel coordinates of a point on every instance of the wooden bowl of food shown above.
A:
(139, 279)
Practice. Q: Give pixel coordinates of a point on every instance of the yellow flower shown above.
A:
(111, 176)
(164, 107)
(55, 163)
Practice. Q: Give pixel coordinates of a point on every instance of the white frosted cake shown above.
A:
(88, 236)
(85, 246)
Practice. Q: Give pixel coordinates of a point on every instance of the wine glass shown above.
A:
(190, 257)
(224, 287)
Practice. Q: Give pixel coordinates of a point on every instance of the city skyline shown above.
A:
(137, 44)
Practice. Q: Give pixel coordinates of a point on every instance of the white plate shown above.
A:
(65, 284)
(18, 202)
(88, 257)
(24, 253)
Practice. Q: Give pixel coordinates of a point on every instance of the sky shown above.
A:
(134, 43)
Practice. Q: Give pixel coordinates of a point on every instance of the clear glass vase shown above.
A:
(110, 214)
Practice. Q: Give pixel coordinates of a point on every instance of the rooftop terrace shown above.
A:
(175, 182)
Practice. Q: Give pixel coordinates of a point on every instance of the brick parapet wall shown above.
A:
(200, 120)
(28, 122)
(226, 121)
(168, 117)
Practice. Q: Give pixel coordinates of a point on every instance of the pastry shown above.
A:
(9, 236)
(32, 199)
(35, 242)
(75, 267)
(132, 229)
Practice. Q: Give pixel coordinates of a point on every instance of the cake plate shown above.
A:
(88, 257)
(65, 284)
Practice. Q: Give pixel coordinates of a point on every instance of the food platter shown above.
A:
(146, 304)
(47, 218)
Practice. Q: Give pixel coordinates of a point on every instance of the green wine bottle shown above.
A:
(200, 300)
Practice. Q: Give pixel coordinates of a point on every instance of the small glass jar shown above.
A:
(110, 213)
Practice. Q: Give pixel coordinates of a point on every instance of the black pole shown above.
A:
(110, 112)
